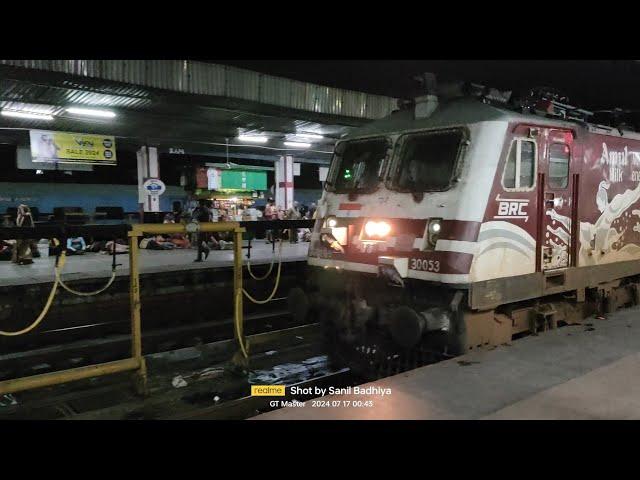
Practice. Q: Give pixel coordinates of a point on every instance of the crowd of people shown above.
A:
(295, 212)
(23, 251)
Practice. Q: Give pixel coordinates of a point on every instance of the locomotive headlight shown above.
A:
(435, 225)
(377, 229)
(331, 222)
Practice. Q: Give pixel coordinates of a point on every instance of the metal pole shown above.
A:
(237, 291)
(134, 300)
(71, 375)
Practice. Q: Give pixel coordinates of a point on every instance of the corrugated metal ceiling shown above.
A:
(157, 113)
(198, 78)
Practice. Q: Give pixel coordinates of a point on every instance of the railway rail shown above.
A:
(206, 368)
(84, 352)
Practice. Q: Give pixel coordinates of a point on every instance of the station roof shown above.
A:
(183, 105)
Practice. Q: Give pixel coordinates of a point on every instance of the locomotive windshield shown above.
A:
(357, 165)
(428, 160)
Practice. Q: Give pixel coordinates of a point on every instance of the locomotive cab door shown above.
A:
(555, 234)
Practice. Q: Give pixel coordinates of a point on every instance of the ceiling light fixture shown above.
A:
(29, 115)
(253, 138)
(314, 136)
(91, 112)
(297, 144)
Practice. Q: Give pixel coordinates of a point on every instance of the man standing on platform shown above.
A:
(270, 214)
(293, 214)
(203, 215)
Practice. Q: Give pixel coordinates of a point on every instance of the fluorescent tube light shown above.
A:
(297, 144)
(30, 115)
(91, 112)
(253, 138)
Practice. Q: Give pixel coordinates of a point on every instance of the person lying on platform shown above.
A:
(76, 246)
(120, 245)
(97, 246)
(178, 239)
(156, 243)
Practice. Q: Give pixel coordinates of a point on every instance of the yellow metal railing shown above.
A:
(136, 362)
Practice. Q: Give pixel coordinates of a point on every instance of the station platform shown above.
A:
(586, 371)
(98, 265)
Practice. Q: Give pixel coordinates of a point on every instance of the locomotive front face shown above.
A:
(395, 231)
(407, 205)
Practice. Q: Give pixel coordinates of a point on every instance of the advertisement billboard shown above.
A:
(73, 148)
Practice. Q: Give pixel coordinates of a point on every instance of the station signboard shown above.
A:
(243, 180)
(72, 148)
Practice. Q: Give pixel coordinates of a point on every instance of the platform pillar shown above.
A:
(284, 182)
(148, 167)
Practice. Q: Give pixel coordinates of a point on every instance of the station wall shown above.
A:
(46, 196)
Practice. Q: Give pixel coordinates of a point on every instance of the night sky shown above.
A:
(591, 84)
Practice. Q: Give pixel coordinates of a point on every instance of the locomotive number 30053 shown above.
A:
(425, 265)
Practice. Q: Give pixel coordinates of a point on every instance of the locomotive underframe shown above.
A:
(379, 328)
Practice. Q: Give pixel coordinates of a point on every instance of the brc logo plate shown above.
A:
(515, 208)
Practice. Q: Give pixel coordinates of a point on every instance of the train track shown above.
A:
(206, 367)
(225, 395)
(84, 352)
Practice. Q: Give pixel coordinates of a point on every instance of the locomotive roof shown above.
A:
(461, 111)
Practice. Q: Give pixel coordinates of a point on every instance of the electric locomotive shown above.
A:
(456, 223)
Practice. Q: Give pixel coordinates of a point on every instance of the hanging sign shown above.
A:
(243, 180)
(78, 148)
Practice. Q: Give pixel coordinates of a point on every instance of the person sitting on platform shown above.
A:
(76, 246)
(6, 249)
(26, 249)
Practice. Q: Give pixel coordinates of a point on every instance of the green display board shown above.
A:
(243, 180)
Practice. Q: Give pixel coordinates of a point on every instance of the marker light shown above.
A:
(253, 138)
(297, 144)
(91, 112)
(30, 115)
(433, 231)
(332, 222)
(377, 229)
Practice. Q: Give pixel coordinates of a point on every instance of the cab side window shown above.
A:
(558, 165)
(520, 170)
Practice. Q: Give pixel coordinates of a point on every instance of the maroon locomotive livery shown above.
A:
(462, 222)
